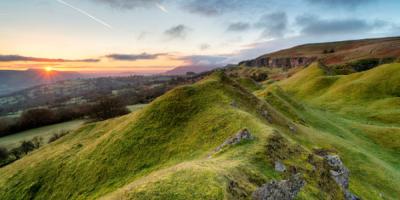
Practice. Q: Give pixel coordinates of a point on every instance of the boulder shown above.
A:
(282, 190)
(279, 166)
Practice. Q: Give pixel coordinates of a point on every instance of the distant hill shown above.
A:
(184, 69)
(331, 53)
(13, 80)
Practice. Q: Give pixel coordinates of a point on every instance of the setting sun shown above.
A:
(48, 69)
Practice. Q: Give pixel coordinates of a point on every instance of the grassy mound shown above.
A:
(369, 93)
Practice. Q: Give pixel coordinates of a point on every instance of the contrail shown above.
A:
(161, 7)
(86, 13)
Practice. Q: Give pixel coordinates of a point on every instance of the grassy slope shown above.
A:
(367, 94)
(161, 152)
(45, 132)
(341, 113)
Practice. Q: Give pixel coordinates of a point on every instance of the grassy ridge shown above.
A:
(184, 124)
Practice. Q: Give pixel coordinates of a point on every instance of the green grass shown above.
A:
(136, 107)
(45, 132)
(337, 113)
(162, 151)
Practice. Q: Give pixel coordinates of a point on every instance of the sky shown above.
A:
(153, 36)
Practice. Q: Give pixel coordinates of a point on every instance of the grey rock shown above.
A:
(282, 190)
(243, 134)
(280, 167)
(292, 128)
(340, 174)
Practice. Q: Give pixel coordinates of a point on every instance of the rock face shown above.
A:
(282, 190)
(279, 62)
(340, 174)
(243, 134)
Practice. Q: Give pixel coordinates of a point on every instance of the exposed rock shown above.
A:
(340, 174)
(266, 115)
(234, 104)
(282, 190)
(280, 167)
(243, 134)
(280, 62)
(292, 128)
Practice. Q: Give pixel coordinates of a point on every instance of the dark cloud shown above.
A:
(340, 3)
(129, 4)
(179, 32)
(238, 26)
(11, 58)
(273, 24)
(133, 57)
(210, 7)
(312, 25)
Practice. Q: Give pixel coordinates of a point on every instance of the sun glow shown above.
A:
(48, 69)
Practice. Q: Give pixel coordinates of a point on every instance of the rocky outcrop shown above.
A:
(243, 134)
(340, 174)
(279, 62)
(282, 190)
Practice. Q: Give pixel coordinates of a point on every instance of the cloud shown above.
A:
(210, 7)
(273, 24)
(340, 3)
(134, 57)
(130, 4)
(312, 25)
(177, 32)
(238, 27)
(204, 46)
(14, 58)
(203, 60)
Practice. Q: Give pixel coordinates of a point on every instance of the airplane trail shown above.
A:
(86, 14)
(161, 7)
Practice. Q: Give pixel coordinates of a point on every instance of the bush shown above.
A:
(57, 136)
(108, 107)
(3, 154)
(27, 146)
(37, 117)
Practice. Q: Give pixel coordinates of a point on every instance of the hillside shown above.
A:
(217, 140)
(336, 54)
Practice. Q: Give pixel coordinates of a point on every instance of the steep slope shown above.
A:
(172, 150)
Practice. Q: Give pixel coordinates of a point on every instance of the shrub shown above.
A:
(3, 154)
(108, 107)
(57, 136)
(27, 146)
(37, 117)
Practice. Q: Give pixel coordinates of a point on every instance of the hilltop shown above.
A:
(334, 54)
